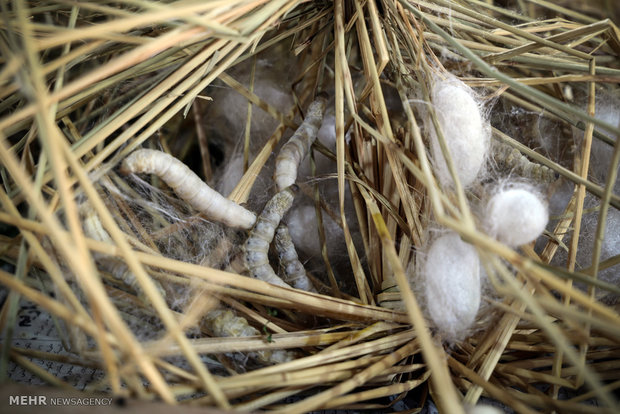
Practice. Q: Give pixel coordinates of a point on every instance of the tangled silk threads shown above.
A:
(516, 215)
(451, 280)
(463, 128)
(189, 187)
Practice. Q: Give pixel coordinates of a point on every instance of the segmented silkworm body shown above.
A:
(117, 268)
(390, 296)
(256, 247)
(510, 158)
(189, 187)
(222, 322)
(294, 272)
(297, 147)
(92, 225)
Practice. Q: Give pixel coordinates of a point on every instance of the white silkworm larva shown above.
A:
(390, 296)
(223, 322)
(294, 272)
(295, 150)
(189, 187)
(118, 269)
(511, 158)
(256, 247)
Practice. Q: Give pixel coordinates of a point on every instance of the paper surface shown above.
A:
(35, 329)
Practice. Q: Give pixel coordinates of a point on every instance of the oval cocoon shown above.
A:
(484, 409)
(451, 276)
(516, 216)
(463, 130)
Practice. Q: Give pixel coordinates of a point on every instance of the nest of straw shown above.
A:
(83, 84)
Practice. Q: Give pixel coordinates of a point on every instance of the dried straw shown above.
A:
(82, 84)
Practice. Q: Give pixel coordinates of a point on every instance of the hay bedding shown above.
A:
(113, 283)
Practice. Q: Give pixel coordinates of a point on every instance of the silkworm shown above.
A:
(294, 272)
(256, 247)
(92, 225)
(189, 187)
(120, 271)
(223, 322)
(295, 150)
(511, 158)
(117, 268)
(390, 296)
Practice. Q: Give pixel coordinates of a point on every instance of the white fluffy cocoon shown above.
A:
(484, 409)
(302, 224)
(516, 214)
(451, 279)
(464, 130)
(610, 246)
(607, 110)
